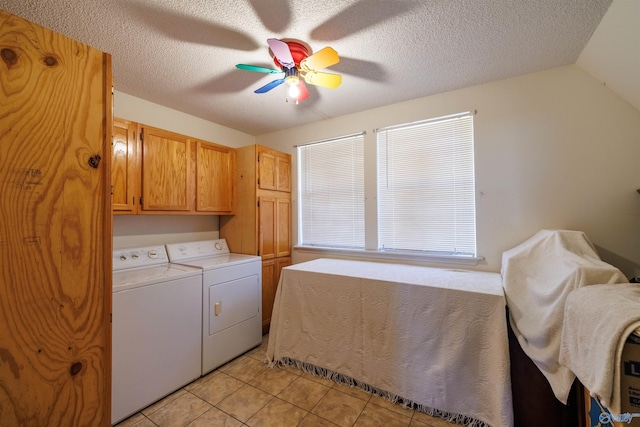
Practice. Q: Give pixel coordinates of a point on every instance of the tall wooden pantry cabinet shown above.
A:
(55, 229)
(262, 223)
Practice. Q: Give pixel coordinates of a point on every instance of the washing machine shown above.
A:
(231, 298)
(156, 328)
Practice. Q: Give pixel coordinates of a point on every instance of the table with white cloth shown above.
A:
(433, 338)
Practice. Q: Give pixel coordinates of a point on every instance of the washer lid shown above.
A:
(220, 261)
(144, 276)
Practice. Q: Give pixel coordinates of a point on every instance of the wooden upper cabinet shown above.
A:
(215, 178)
(274, 170)
(161, 172)
(124, 168)
(167, 171)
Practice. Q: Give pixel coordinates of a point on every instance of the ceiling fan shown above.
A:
(296, 66)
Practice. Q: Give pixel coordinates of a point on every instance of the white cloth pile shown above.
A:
(598, 320)
(538, 276)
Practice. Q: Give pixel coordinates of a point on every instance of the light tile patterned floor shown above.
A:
(245, 392)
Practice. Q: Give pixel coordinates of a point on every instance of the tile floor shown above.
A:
(245, 392)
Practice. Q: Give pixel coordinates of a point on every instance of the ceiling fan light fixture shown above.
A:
(294, 91)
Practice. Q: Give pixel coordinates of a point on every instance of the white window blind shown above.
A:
(426, 188)
(331, 193)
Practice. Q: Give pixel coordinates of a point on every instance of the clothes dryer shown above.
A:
(231, 298)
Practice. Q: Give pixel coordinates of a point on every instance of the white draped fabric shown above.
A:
(538, 276)
(433, 337)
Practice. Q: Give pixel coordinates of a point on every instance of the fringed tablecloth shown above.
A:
(432, 338)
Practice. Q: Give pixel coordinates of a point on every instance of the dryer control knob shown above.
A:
(218, 246)
(153, 254)
(123, 258)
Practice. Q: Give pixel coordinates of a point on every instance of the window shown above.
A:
(331, 193)
(426, 189)
(423, 176)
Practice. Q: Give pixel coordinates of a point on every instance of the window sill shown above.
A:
(391, 256)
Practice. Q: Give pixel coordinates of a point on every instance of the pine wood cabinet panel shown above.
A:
(266, 170)
(283, 170)
(274, 170)
(281, 263)
(283, 227)
(167, 174)
(274, 225)
(215, 178)
(269, 286)
(271, 271)
(124, 168)
(268, 227)
(55, 229)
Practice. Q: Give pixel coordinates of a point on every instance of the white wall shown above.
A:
(554, 149)
(141, 111)
(140, 230)
(613, 52)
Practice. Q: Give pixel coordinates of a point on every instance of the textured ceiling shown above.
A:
(182, 53)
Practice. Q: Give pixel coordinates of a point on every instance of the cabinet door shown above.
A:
(55, 231)
(215, 178)
(283, 227)
(275, 226)
(271, 270)
(280, 264)
(274, 170)
(268, 292)
(267, 177)
(125, 172)
(167, 176)
(267, 215)
(283, 173)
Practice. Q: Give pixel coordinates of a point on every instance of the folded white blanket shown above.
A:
(537, 276)
(598, 320)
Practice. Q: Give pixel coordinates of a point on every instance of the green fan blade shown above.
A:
(258, 69)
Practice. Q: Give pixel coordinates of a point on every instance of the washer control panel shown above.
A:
(139, 257)
(190, 250)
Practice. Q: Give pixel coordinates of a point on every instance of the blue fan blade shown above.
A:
(269, 86)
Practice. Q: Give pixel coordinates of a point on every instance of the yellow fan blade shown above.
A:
(322, 59)
(323, 79)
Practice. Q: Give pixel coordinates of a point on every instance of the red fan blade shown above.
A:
(304, 92)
